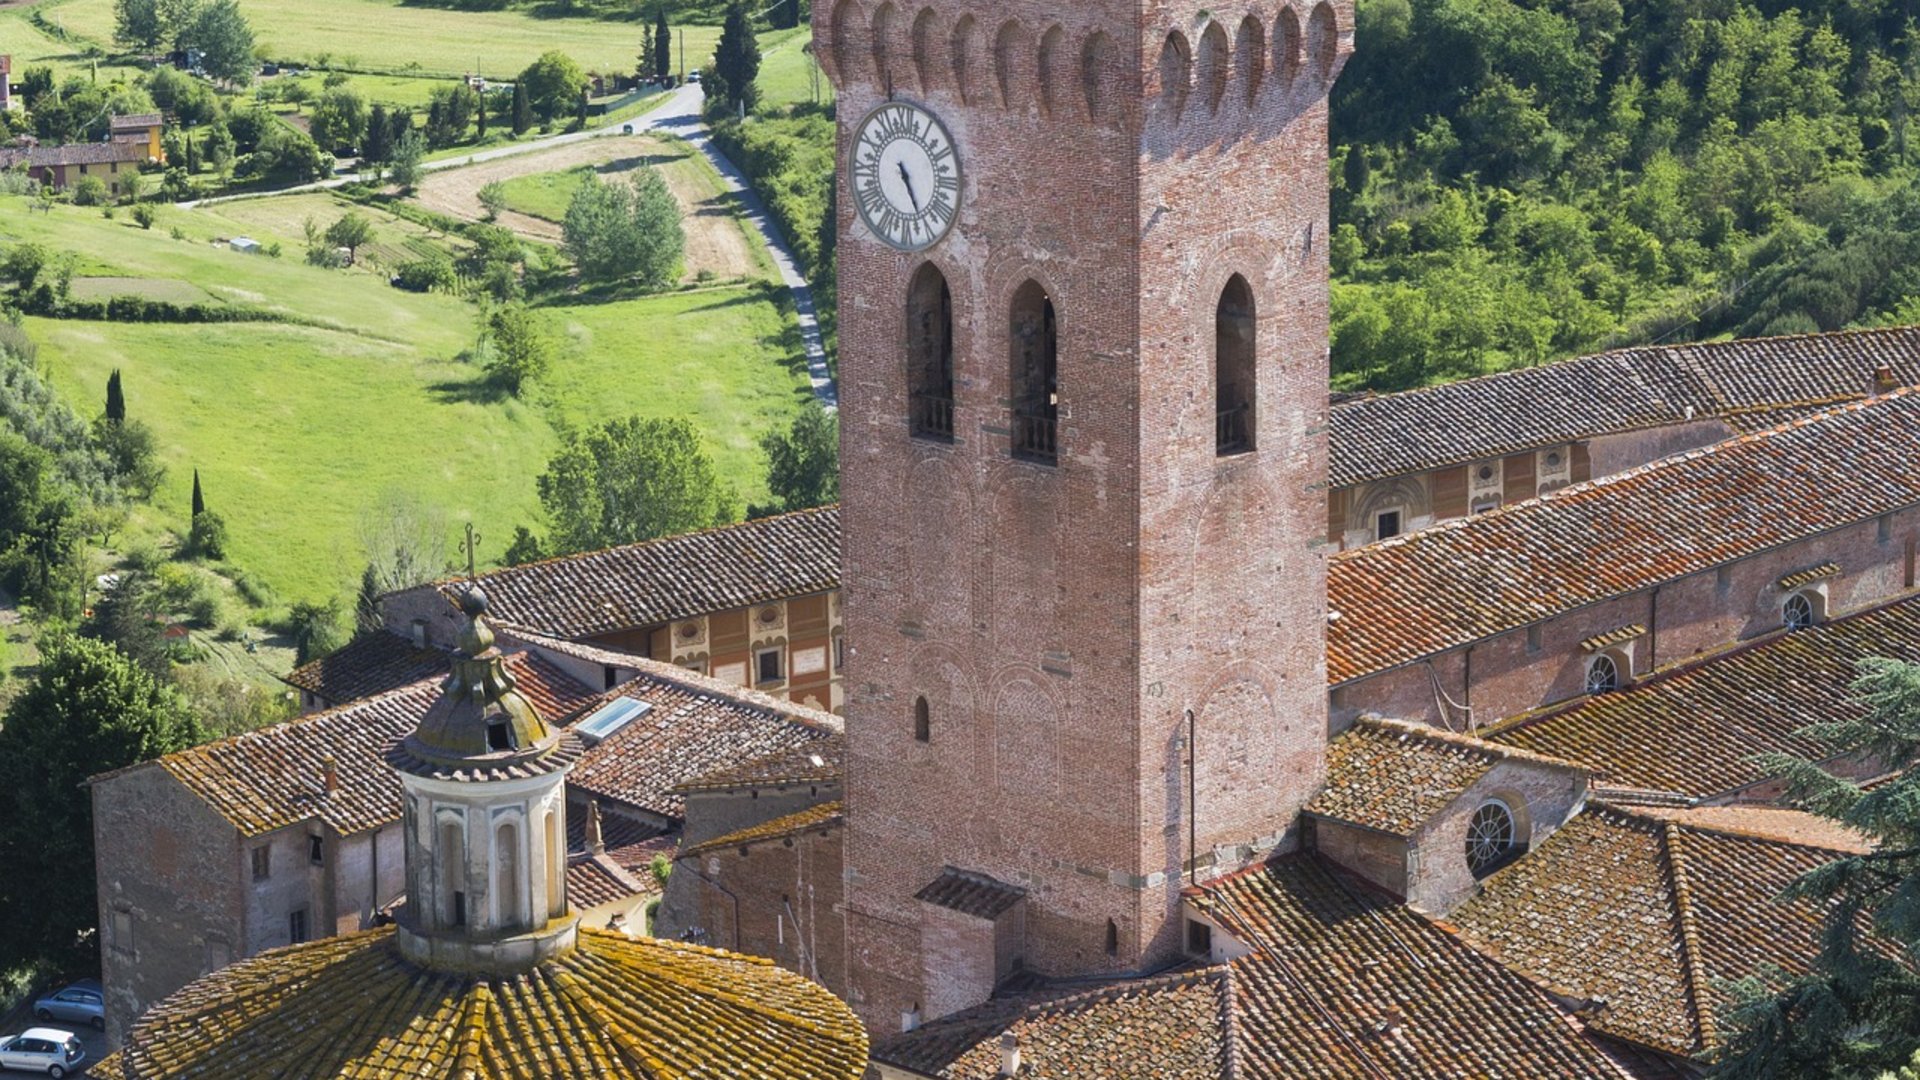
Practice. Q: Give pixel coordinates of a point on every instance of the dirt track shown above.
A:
(715, 240)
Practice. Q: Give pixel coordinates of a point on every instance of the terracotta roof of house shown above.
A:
(697, 726)
(1135, 1029)
(266, 779)
(630, 843)
(1343, 982)
(1394, 776)
(1750, 384)
(1649, 916)
(972, 894)
(675, 577)
(92, 153)
(613, 1006)
(1461, 581)
(1691, 731)
(134, 120)
(823, 817)
(593, 880)
(369, 664)
(819, 761)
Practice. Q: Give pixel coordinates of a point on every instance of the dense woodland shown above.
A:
(1516, 182)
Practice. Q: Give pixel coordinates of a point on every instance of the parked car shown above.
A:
(76, 1003)
(693, 76)
(43, 1050)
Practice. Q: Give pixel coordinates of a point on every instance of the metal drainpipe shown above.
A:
(1193, 799)
(1653, 629)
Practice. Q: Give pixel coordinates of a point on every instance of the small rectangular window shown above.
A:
(1723, 580)
(839, 654)
(316, 850)
(262, 862)
(297, 926)
(1885, 532)
(1533, 639)
(767, 665)
(1386, 525)
(1199, 938)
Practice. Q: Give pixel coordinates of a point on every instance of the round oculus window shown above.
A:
(1490, 836)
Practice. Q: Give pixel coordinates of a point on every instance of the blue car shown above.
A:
(77, 1003)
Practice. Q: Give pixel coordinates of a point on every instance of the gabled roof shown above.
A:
(1343, 982)
(370, 664)
(1394, 776)
(1692, 731)
(1645, 918)
(133, 121)
(820, 761)
(593, 880)
(697, 726)
(1750, 384)
(267, 779)
(825, 816)
(972, 894)
(676, 577)
(93, 153)
(1430, 591)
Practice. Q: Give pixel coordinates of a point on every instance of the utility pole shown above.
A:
(683, 54)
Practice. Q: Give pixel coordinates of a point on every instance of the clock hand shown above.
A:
(907, 179)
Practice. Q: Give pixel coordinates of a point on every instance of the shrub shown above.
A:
(426, 275)
(207, 539)
(144, 215)
(90, 191)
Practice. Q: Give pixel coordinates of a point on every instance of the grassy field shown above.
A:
(545, 195)
(386, 36)
(787, 72)
(296, 429)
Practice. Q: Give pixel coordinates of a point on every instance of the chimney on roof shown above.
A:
(1883, 382)
(596, 841)
(330, 774)
(1009, 1054)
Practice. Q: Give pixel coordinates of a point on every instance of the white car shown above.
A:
(43, 1050)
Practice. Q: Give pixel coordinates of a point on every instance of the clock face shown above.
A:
(905, 175)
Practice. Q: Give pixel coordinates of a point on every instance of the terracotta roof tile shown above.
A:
(369, 664)
(350, 1006)
(970, 894)
(134, 120)
(820, 761)
(1393, 776)
(1424, 593)
(1647, 916)
(266, 779)
(92, 153)
(824, 816)
(1751, 384)
(676, 577)
(593, 880)
(697, 726)
(1691, 731)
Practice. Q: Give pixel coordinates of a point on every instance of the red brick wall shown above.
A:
(1061, 620)
(779, 899)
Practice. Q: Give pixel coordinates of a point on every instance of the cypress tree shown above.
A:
(737, 58)
(662, 43)
(379, 135)
(1358, 170)
(522, 109)
(399, 122)
(116, 404)
(366, 604)
(480, 111)
(189, 161)
(199, 503)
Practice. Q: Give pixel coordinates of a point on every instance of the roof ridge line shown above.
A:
(1697, 985)
(1464, 741)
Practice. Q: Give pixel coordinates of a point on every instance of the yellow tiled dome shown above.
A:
(352, 1007)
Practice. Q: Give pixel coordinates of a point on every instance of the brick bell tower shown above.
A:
(1083, 289)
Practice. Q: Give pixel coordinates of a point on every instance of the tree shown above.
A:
(89, 191)
(629, 480)
(662, 43)
(317, 629)
(177, 18)
(615, 229)
(128, 446)
(736, 59)
(116, 402)
(522, 110)
(88, 711)
(339, 120)
(554, 82)
(405, 540)
(207, 536)
(366, 602)
(524, 548)
(199, 503)
(404, 169)
(803, 462)
(225, 41)
(39, 530)
(379, 143)
(353, 231)
(137, 25)
(480, 114)
(1857, 1011)
(127, 618)
(522, 348)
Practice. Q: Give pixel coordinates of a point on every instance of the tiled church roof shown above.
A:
(1395, 776)
(352, 1006)
(823, 817)
(1344, 982)
(1646, 918)
(1692, 731)
(266, 779)
(1472, 578)
(369, 664)
(676, 577)
(1750, 384)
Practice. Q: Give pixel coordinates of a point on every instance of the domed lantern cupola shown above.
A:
(485, 808)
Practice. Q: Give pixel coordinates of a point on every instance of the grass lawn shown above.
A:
(545, 195)
(402, 39)
(786, 72)
(389, 90)
(296, 429)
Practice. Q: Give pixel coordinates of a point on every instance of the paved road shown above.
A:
(678, 115)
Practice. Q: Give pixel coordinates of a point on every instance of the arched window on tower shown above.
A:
(556, 866)
(930, 355)
(922, 721)
(1035, 375)
(453, 874)
(1233, 369)
(506, 873)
